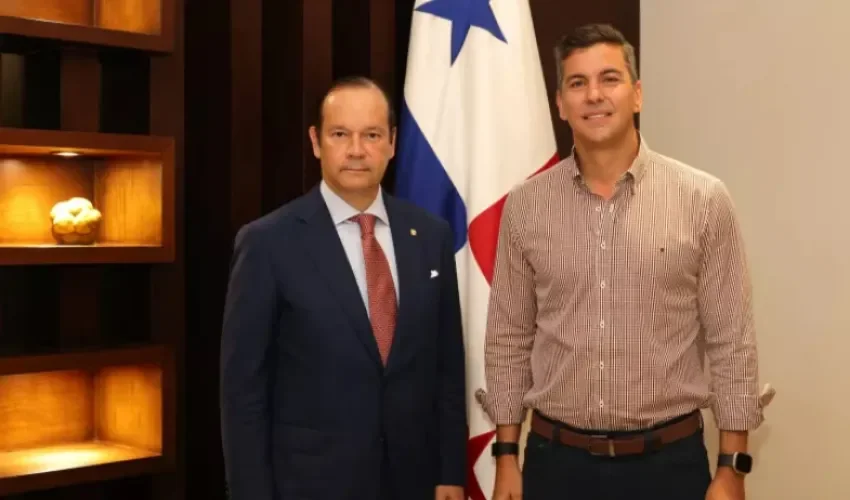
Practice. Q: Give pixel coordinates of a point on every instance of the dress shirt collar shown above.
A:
(636, 171)
(341, 211)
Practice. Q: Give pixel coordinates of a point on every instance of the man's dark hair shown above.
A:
(355, 81)
(587, 36)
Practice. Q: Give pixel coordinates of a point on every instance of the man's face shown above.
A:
(355, 143)
(597, 97)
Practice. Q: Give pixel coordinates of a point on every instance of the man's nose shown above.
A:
(594, 93)
(355, 147)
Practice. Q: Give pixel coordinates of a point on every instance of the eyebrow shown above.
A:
(346, 129)
(608, 71)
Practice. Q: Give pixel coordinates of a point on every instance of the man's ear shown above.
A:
(559, 101)
(638, 97)
(314, 138)
(393, 138)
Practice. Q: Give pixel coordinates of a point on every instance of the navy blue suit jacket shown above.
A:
(308, 410)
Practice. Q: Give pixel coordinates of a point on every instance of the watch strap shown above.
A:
(739, 462)
(499, 449)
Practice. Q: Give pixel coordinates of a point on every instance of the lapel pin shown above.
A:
(412, 232)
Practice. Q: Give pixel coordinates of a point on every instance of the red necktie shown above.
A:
(379, 286)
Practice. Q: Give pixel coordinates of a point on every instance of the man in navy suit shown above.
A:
(342, 356)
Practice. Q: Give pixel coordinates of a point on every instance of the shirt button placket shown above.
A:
(603, 285)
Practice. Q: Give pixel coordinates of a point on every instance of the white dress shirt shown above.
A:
(349, 234)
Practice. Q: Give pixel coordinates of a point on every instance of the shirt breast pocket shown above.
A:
(670, 262)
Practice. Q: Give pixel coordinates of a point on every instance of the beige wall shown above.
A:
(757, 92)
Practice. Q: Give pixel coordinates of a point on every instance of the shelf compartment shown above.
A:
(136, 24)
(128, 178)
(72, 418)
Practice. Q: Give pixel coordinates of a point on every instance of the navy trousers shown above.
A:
(554, 471)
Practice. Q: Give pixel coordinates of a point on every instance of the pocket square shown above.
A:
(434, 273)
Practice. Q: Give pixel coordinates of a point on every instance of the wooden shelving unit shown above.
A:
(72, 418)
(128, 178)
(91, 180)
(135, 24)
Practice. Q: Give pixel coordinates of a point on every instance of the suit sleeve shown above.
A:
(452, 407)
(249, 318)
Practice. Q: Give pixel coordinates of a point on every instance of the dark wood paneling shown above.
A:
(382, 44)
(164, 286)
(246, 103)
(402, 18)
(207, 181)
(350, 22)
(127, 97)
(316, 56)
(79, 92)
(364, 39)
(41, 89)
(11, 90)
(285, 142)
(29, 299)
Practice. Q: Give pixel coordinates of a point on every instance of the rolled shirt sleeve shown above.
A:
(726, 314)
(510, 325)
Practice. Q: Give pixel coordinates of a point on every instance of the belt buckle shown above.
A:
(611, 452)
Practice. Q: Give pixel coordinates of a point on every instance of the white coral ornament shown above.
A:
(75, 221)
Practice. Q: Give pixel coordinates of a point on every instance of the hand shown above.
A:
(508, 479)
(727, 485)
(449, 493)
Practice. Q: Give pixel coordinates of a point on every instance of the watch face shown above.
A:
(743, 462)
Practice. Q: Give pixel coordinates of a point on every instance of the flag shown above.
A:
(474, 123)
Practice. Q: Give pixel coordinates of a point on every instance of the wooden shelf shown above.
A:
(128, 178)
(72, 418)
(136, 24)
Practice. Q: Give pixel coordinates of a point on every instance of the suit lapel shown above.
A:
(323, 245)
(407, 253)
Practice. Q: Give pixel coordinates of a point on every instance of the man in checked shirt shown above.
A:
(617, 271)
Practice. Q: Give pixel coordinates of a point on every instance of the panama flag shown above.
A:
(474, 123)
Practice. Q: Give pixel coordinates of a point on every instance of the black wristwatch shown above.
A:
(500, 449)
(741, 463)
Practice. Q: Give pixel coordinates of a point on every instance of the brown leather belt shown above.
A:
(619, 445)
